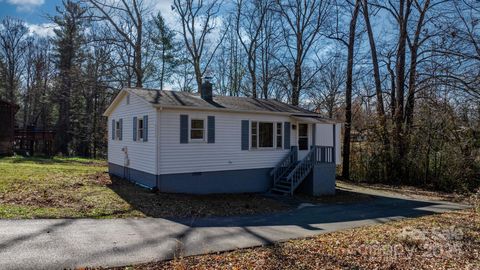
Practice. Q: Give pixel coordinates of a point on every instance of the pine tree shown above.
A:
(68, 42)
(163, 40)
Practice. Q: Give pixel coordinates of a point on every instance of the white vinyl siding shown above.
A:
(338, 140)
(324, 137)
(225, 154)
(141, 156)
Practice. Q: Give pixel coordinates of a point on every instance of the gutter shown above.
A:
(233, 111)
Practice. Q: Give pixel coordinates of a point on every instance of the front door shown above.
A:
(303, 140)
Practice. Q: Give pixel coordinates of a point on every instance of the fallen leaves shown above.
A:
(443, 241)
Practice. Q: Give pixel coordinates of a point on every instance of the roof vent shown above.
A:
(207, 89)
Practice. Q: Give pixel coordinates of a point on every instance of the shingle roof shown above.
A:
(176, 98)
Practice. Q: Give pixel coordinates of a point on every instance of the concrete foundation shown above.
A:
(321, 181)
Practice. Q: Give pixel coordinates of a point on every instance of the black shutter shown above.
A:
(211, 129)
(183, 128)
(314, 132)
(245, 133)
(286, 131)
(121, 129)
(145, 128)
(113, 129)
(134, 128)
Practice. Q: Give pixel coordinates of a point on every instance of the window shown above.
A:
(302, 136)
(265, 138)
(140, 128)
(254, 133)
(262, 135)
(279, 135)
(128, 99)
(197, 129)
(118, 130)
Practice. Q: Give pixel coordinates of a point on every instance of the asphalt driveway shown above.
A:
(73, 243)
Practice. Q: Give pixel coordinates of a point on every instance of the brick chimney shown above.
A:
(207, 89)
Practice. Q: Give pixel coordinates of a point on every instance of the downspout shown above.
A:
(157, 148)
(334, 154)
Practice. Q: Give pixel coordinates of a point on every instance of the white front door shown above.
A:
(303, 140)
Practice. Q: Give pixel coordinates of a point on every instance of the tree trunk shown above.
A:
(138, 56)
(404, 12)
(198, 75)
(251, 69)
(162, 72)
(382, 120)
(409, 107)
(348, 94)
(296, 84)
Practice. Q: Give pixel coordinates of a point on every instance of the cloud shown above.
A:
(26, 5)
(165, 7)
(41, 30)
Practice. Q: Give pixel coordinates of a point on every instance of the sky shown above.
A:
(36, 12)
(32, 11)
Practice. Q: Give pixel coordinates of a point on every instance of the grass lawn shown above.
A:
(443, 241)
(82, 188)
(55, 188)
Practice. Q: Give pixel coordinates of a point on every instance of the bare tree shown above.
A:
(269, 50)
(414, 45)
(380, 107)
(199, 19)
(348, 92)
(126, 18)
(328, 88)
(228, 65)
(12, 45)
(250, 19)
(302, 22)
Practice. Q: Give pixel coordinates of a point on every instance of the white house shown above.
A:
(188, 143)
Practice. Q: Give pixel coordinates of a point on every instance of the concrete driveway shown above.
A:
(72, 243)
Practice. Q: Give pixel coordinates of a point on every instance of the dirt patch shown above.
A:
(101, 178)
(41, 196)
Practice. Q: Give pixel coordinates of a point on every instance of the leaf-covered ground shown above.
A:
(442, 241)
(82, 188)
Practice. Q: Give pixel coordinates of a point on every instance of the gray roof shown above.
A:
(176, 98)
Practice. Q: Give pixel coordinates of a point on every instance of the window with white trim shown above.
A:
(140, 128)
(197, 129)
(302, 136)
(262, 135)
(118, 130)
(254, 134)
(279, 135)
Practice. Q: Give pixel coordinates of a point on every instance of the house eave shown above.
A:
(162, 107)
(115, 103)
